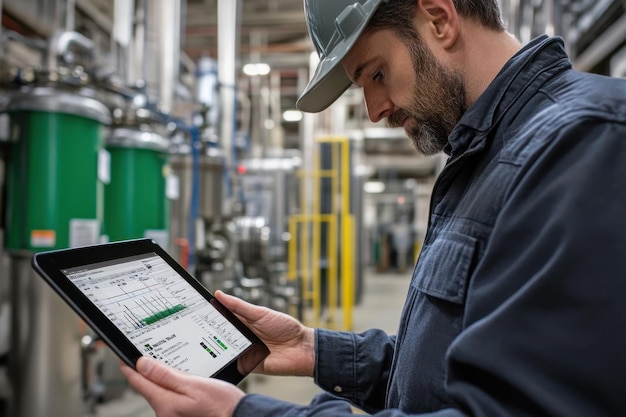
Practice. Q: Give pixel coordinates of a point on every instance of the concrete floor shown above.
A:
(382, 302)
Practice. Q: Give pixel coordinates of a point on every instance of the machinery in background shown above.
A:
(244, 252)
(268, 195)
(87, 161)
(593, 30)
(54, 200)
(202, 233)
(392, 223)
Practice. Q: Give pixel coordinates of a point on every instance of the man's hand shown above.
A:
(291, 344)
(173, 393)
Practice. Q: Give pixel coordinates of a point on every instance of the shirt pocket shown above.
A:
(445, 266)
(431, 320)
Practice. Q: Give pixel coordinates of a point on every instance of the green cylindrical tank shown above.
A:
(136, 203)
(54, 194)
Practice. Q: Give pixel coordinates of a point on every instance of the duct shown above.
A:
(61, 45)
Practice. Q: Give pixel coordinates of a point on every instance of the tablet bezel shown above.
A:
(50, 264)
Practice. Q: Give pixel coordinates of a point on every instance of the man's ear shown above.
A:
(443, 20)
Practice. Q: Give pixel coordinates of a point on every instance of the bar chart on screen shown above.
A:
(132, 299)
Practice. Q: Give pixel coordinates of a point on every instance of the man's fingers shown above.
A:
(141, 384)
(159, 374)
(159, 384)
(245, 310)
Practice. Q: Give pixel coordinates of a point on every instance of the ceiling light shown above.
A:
(374, 187)
(292, 115)
(256, 69)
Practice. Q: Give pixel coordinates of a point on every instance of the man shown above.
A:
(516, 306)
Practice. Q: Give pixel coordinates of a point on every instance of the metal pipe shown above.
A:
(137, 62)
(228, 19)
(70, 15)
(89, 8)
(121, 35)
(276, 134)
(10, 35)
(62, 42)
(168, 34)
(602, 46)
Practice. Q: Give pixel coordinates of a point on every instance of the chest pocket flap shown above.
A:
(444, 267)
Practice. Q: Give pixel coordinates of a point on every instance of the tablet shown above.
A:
(143, 303)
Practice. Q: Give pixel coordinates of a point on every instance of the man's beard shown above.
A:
(437, 105)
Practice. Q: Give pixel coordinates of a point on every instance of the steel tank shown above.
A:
(136, 203)
(199, 201)
(54, 200)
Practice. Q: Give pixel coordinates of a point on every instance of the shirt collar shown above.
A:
(519, 75)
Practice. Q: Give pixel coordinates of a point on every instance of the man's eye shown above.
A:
(379, 75)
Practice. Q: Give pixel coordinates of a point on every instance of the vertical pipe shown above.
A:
(70, 15)
(136, 57)
(257, 134)
(264, 100)
(276, 137)
(123, 12)
(228, 22)
(168, 31)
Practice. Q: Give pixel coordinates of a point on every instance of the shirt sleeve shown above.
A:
(354, 366)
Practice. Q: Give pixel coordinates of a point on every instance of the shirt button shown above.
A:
(338, 389)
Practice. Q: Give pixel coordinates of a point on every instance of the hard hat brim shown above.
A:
(330, 79)
(328, 83)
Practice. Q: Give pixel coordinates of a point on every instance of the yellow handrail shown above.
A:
(305, 245)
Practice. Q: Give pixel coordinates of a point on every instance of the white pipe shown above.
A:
(228, 22)
(123, 12)
(136, 58)
(168, 30)
(70, 15)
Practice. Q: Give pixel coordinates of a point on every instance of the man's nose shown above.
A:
(378, 103)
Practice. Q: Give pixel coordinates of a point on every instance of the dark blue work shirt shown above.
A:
(517, 305)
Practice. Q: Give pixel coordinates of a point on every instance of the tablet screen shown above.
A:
(161, 314)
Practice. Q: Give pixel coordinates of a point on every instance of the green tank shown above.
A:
(54, 193)
(136, 203)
